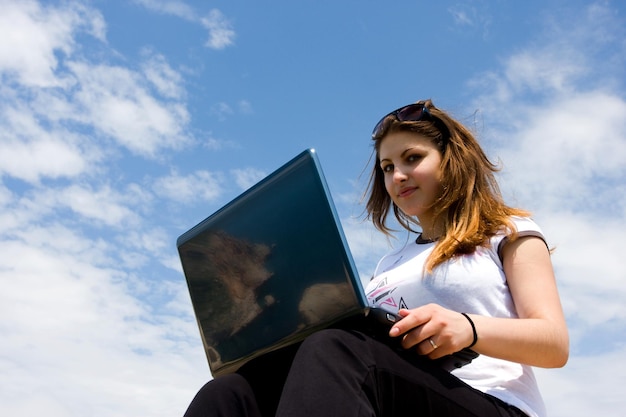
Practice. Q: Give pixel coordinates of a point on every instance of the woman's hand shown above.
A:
(433, 330)
(538, 337)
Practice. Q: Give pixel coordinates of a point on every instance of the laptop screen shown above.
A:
(270, 267)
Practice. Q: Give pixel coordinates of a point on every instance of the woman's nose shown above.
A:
(398, 175)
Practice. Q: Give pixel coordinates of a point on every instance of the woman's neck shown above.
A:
(430, 231)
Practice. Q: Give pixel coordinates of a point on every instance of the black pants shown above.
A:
(336, 373)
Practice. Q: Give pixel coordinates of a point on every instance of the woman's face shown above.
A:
(411, 166)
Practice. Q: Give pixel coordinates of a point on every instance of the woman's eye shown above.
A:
(387, 168)
(414, 158)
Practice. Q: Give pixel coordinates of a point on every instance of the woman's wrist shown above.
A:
(474, 332)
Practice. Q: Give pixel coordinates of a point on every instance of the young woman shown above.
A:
(478, 275)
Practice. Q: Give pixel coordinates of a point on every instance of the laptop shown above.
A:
(271, 267)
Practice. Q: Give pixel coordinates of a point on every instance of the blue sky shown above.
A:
(123, 124)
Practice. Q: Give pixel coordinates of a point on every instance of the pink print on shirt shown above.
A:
(382, 295)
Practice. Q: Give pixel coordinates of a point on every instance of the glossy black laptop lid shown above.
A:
(270, 267)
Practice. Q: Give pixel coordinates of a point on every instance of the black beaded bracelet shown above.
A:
(473, 330)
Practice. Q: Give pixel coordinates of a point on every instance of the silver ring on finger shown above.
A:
(433, 344)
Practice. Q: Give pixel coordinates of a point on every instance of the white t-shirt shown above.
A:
(473, 284)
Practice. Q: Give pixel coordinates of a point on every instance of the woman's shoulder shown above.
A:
(523, 227)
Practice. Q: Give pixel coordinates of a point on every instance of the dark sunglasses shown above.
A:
(409, 113)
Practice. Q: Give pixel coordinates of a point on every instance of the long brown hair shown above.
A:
(470, 208)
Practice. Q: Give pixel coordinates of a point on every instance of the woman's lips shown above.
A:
(405, 192)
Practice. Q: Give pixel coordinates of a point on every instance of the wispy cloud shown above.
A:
(139, 110)
(76, 230)
(198, 186)
(221, 31)
(117, 103)
(556, 120)
(167, 81)
(42, 32)
(245, 178)
(30, 152)
(473, 16)
(222, 110)
(171, 7)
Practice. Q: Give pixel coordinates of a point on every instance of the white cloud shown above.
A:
(245, 107)
(198, 186)
(221, 33)
(115, 101)
(154, 241)
(578, 141)
(103, 205)
(587, 386)
(222, 110)
(167, 81)
(6, 196)
(367, 245)
(215, 144)
(535, 70)
(35, 39)
(30, 152)
(460, 17)
(70, 319)
(41, 32)
(591, 275)
(50, 88)
(172, 7)
(471, 16)
(246, 178)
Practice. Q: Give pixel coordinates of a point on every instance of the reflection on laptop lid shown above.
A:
(270, 267)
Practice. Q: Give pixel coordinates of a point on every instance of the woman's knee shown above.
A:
(334, 337)
(231, 384)
(227, 395)
(337, 344)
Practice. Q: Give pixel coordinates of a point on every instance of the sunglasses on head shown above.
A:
(409, 113)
